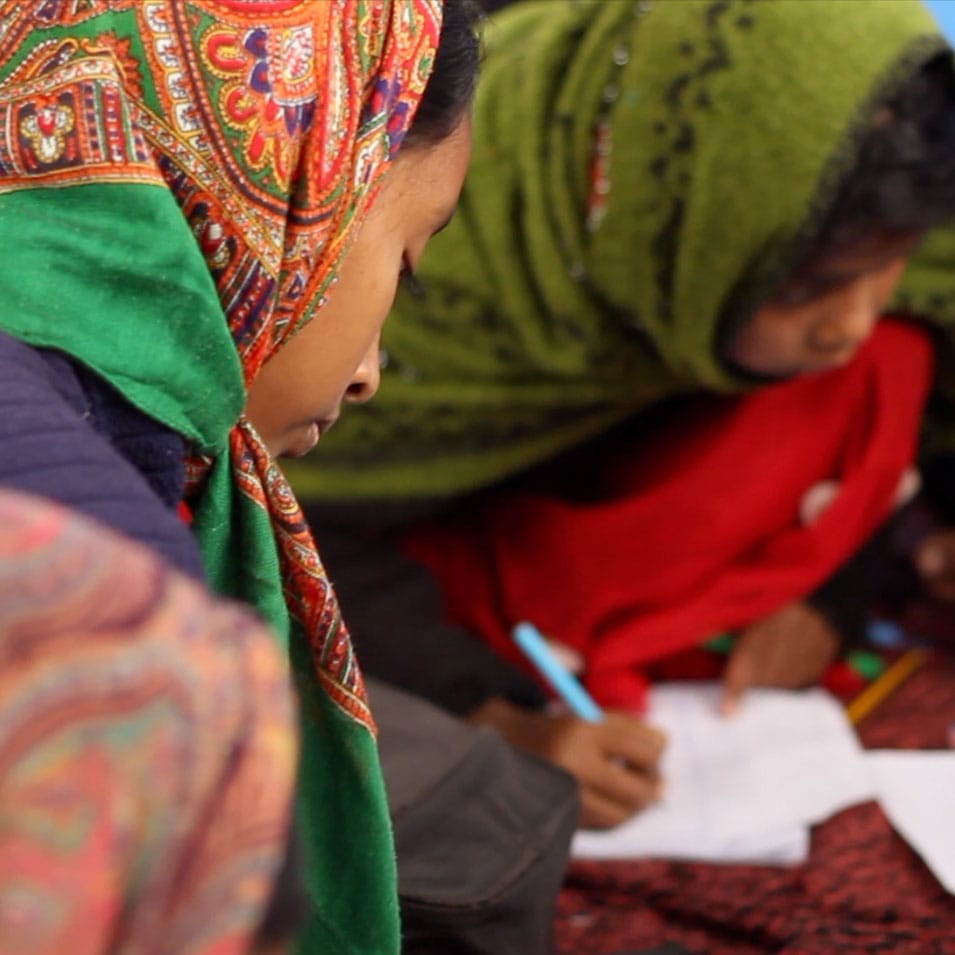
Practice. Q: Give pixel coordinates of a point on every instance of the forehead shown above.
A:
(426, 179)
(868, 253)
(446, 159)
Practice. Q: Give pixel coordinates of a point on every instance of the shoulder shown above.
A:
(68, 436)
(37, 374)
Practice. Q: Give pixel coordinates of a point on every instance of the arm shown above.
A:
(793, 647)
(935, 554)
(50, 413)
(928, 291)
(395, 614)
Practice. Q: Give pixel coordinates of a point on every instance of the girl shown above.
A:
(182, 183)
(644, 391)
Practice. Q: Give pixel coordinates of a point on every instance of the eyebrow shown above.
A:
(834, 271)
(837, 273)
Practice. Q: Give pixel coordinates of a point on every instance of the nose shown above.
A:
(851, 321)
(367, 376)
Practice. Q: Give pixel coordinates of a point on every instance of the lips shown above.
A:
(308, 437)
(303, 442)
(324, 424)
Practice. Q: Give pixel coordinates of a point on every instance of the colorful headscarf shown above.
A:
(179, 180)
(147, 749)
(643, 170)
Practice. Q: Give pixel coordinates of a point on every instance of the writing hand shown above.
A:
(790, 648)
(616, 762)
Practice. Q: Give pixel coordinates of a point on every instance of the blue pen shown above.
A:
(565, 684)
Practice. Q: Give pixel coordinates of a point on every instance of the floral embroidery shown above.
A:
(270, 91)
(386, 101)
(46, 127)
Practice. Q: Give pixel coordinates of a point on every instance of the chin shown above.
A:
(299, 443)
(781, 368)
(829, 364)
(763, 372)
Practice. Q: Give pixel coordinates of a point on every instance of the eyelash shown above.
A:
(413, 285)
(798, 295)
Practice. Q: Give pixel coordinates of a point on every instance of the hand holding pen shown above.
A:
(613, 755)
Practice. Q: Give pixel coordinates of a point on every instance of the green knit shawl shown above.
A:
(642, 172)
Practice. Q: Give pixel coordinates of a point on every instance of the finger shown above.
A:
(934, 559)
(738, 677)
(943, 588)
(936, 565)
(598, 811)
(630, 739)
(625, 785)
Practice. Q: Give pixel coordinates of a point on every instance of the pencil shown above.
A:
(534, 646)
(877, 692)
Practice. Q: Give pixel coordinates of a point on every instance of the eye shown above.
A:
(797, 294)
(793, 296)
(410, 281)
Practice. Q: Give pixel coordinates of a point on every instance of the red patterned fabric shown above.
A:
(321, 154)
(302, 104)
(271, 125)
(179, 181)
(147, 749)
(863, 890)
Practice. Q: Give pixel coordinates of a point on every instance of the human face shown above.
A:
(299, 392)
(819, 321)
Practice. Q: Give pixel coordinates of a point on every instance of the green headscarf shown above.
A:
(642, 172)
(179, 180)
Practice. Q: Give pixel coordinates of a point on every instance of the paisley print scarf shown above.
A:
(179, 180)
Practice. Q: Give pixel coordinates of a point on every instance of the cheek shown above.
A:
(771, 338)
(360, 313)
(381, 299)
(889, 282)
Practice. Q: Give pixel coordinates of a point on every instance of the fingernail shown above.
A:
(931, 561)
(660, 791)
(730, 706)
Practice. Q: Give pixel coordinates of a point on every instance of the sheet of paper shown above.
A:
(745, 787)
(917, 792)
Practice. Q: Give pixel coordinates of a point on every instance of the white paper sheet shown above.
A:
(917, 792)
(741, 788)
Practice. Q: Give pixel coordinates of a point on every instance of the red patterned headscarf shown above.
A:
(326, 149)
(179, 180)
(267, 126)
(311, 101)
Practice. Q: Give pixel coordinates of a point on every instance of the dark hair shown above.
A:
(491, 5)
(450, 90)
(904, 181)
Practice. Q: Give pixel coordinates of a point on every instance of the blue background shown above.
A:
(944, 11)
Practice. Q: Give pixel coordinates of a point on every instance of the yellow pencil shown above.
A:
(877, 692)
